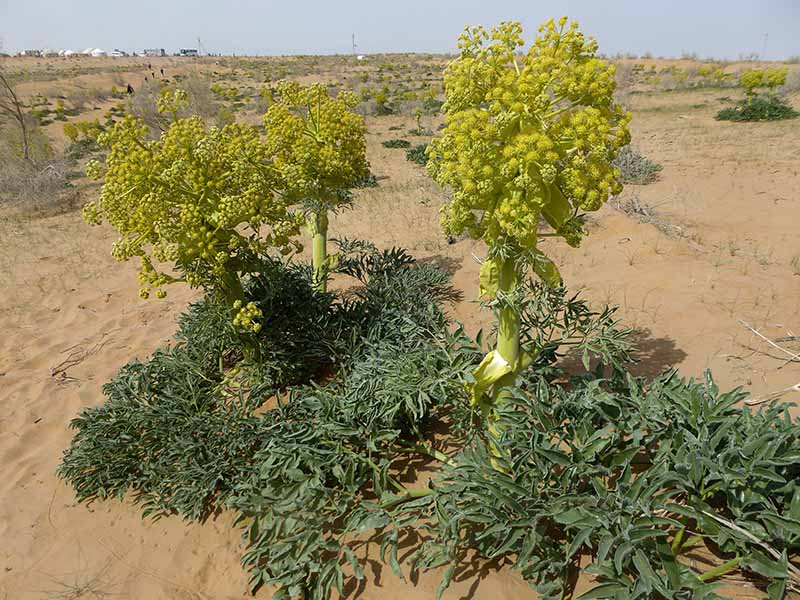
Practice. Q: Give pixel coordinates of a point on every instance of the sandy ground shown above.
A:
(728, 252)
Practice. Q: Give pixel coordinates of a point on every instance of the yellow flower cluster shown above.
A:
(527, 135)
(317, 144)
(172, 101)
(195, 197)
(756, 78)
(247, 315)
(775, 77)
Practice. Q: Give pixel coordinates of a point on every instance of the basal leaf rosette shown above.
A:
(527, 135)
(200, 199)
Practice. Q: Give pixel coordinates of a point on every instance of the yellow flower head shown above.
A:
(196, 197)
(317, 142)
(751, 79)
(527, 135)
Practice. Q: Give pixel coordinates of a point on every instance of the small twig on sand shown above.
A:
(773, 395)
(77, 354)
(792, 357)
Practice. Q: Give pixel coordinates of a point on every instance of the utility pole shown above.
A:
(764, 49)
(354, 44)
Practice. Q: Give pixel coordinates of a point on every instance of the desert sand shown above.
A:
(727, 253)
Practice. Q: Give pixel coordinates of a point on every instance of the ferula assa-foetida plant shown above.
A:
(318, 147)
(752, 79)
(198, 198)
(527, 136)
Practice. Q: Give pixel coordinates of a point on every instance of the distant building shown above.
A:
(188, 52)
(154, 52)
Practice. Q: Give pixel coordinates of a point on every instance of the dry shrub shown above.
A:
(38, 186)
(142, 103)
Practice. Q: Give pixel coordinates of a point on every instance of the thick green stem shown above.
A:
(232, 287)
(721, 570)
(676, 543)
(409, 495)
(318, 224)
(507, 340)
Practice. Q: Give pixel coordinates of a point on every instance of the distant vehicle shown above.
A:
(154, 52)
(37, 53)
(188, 52)
(115, 53)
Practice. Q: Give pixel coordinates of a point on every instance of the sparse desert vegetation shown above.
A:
(349, 400)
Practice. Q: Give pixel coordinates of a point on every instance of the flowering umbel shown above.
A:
(319, 151)
(317, 143)
(527, 135)
(201, 199)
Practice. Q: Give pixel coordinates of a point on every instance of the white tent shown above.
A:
(88, 51)
(97, 52)
(69, 53)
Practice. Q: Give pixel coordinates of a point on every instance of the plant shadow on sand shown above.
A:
(471, 568)
(653, 355)
(448, 264)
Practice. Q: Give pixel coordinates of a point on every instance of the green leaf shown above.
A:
(789, 525)
(555, 456)
(669, 563)
(646, 573)
(354, 564)
(447, 577)
(570, 516)
(604, 590)
(620, 554)
(578, 541)
(767, 567)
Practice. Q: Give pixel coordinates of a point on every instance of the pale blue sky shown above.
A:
(711, 28)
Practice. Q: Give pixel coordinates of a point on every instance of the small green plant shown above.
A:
(418, 154)
(712, 75)
(396, 143)
(758, 108)
(370, 181)
(636, 168)
(383, 107)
